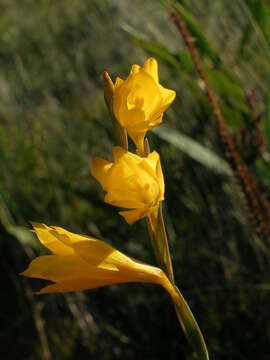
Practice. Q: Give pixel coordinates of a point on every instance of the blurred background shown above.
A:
(53, 119)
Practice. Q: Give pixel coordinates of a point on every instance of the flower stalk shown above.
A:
(134, 182)
(158, 235)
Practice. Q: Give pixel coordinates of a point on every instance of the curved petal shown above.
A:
(168, 97)
(47, 238)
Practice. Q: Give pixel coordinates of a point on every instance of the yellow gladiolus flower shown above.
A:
(81, 262)
(131, 182)
(138, 103)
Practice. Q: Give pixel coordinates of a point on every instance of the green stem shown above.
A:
(158, 236)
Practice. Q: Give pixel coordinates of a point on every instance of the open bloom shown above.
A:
(139, 101)
(81, 262)
(131, 182)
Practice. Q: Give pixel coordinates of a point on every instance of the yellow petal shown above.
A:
(153, 159)
(132, 215)
(95, 252)
(118, 82)
(118, 152)
(134, 69)
(123, 199)
(151, 67)
(46, 237)
(108, 89)
(93, 264)
(99, 170)
(150, 164)
(77, 284)
(138, 138)
(57, 267)
(168, 97)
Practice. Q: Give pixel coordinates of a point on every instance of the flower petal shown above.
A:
(122, 198)
(108, 89)
(118, 82)
(47, 238)
(134, 69)
(77, 284)
(96, 253)
(132, 215)
(93, 264)
(99, 170)
(151, 67)
(168, 97)
(57, 267)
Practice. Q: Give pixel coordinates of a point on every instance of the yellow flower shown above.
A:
(139, 101)
(81, 262)
(131, 182)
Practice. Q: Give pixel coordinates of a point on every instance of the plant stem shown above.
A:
(158, 236)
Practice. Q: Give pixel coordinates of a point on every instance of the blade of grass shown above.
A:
(194, 150)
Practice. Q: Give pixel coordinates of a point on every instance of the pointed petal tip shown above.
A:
(131, 216)
(23, 273)
(135, 69)
(42, 291)
(151, 67)
(151, 61)
(108, 88)
(168, 97)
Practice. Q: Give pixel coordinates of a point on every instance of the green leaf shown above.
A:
(158, 50)
(22, 234)
(194, 150)
(190, 327)
(226, 87)
(202, 43)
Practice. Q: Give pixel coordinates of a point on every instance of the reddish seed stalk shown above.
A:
(257, 203)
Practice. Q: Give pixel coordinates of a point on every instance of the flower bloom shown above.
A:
(81, 262)
(131, 182)
(139, 101)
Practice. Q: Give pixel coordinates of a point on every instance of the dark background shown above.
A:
(53, 119)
